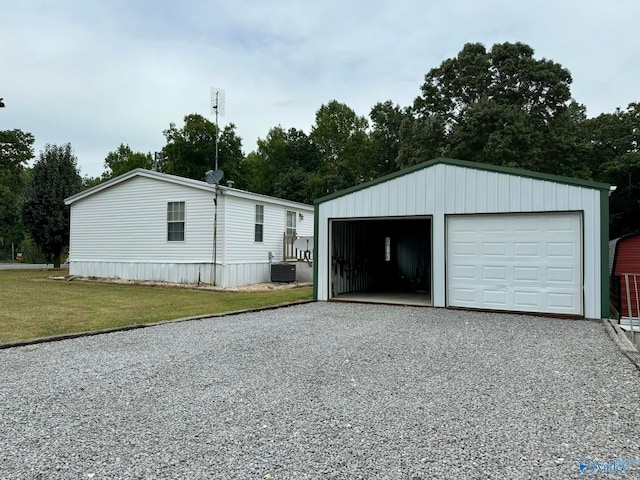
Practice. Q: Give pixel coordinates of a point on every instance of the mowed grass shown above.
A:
(32, 305)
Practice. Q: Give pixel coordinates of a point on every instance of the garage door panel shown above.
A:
(494, 225)
(562, 300)
(526, 249)
(464, 296)
(526, 274)
(563, 275)
(495, 249)
(494, 273)
(464, 272)
(561, 250)
(559, 225)
(495, 298)
(520, 262)
(526, 300)
(463, 248)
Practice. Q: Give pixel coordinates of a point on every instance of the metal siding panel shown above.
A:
(403, 192)
(514, 194)
(390, 199)
(183, 273)
(590, 204)
(537, 196)
(414, 195)
(439, 175)
(550, 203)
(459, 189)
(562, 197)
(492, 192)
(526, 193)
(450, 188)
(470, 190)
(504, 184)
(628, 260)
(480, 198)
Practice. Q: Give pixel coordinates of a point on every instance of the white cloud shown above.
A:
(98, 74)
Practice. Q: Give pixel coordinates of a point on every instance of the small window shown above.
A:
(291, 224)
(259, 230)
(387, 249)
(175, 221)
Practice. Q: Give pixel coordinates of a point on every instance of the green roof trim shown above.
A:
(465, 164)
(604, 255)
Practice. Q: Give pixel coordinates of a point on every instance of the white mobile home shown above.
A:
(450, 233)
(146, 225)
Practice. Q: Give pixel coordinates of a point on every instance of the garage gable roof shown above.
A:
(466, 164)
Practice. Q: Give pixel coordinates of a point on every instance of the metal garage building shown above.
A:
(451, 233)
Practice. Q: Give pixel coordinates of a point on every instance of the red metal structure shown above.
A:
(626, 274)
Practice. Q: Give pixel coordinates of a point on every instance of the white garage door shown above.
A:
(517, 262)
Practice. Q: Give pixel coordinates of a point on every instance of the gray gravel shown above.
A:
(322, 391)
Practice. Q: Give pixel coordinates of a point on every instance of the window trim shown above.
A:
(258, 221)
(287, 228)
(183, 221)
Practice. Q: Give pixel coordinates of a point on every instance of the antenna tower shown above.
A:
(217, 107)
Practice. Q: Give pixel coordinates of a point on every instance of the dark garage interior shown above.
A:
(384, 260)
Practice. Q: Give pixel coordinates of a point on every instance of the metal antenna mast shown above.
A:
(217, 107)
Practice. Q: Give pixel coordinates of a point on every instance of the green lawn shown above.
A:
(33, 306)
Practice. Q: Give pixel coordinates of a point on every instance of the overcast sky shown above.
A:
(98, 73)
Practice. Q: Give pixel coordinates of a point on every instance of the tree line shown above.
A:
(501, 106)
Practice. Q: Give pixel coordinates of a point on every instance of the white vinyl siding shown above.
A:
(128, 223)
(120, 229)
(515, 262)
(243, 212)
(445, 189)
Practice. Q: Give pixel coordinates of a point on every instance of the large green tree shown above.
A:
(501, 106)
(16, 149)
(123, 160)
(282, 164)
(386, 122)
(54, 177)
(614, 143)
(190, 150)
(343, 142)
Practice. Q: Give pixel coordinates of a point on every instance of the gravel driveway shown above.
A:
(323, 390)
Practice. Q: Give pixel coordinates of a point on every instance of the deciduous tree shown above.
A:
(386, 122)
(502, 106)
(54, 177)
(190, 150)
(16, 149)
(614, 143)
(343, 142)
(123, 160)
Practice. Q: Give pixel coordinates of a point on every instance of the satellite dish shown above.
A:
(214, 176)
(304, 244)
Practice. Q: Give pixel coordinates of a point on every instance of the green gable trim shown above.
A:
(604, 254)
(465, 164)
